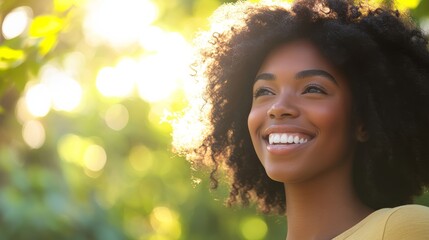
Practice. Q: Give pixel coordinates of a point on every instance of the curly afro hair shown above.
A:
(381, 53)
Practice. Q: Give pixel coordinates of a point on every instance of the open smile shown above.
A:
(285, 139)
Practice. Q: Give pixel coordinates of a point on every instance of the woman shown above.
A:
(320, 111)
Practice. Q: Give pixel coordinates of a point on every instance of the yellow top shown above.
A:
(408, 222)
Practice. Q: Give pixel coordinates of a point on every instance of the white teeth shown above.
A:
(276, 138)
(296, 139)
(285, 138)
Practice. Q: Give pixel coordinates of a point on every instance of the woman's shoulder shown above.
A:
(411, 210)
(407, 222)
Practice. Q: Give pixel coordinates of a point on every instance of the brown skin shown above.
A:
(300, 93)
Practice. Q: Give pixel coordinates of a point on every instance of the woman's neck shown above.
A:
(323, 208)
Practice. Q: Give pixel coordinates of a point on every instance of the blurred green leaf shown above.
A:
(46, 25)
(47, 44)
(10, 57)
(408, 4)
(63, 5)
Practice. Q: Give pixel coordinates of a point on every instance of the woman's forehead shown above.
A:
(296, 55)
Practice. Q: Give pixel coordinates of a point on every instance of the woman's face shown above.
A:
(300, 120)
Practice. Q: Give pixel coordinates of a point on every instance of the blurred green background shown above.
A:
(87, 92)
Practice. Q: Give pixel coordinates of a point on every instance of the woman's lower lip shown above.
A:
(281, 149)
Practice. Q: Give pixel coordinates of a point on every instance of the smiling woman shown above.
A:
(302, 102)
(320, 111)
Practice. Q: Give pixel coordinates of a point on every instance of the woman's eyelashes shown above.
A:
(308, 89)
(262, 92)
(313, 88)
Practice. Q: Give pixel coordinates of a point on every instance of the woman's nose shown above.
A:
(283, 108)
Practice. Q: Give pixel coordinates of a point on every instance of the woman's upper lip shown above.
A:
(285, 128)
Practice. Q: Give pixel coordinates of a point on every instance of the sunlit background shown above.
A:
(88, 91)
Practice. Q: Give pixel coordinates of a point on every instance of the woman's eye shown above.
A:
(262, 92)
(314, 89)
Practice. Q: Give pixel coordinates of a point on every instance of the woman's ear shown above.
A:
(361, 133)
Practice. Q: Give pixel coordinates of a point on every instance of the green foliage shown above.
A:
(88, 180)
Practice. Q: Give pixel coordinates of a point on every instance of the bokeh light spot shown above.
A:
(67, 94)
(15, 23)
(151, 38)
(21, 111)
(116, 117)
(118, 81)
(95, 158)
(253, 228)
(106, 81)
(64, 91)
(38, 100)
(33, 134)
(74, 63)
(164, 69)
(158, 81)
(141, 158)
(165, 222)
(71, 148)
(118, 23)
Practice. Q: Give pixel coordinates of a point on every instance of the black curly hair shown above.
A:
(381, 52)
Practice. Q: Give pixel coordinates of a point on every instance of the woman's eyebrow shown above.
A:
(315, 72)
(265, 76)
(299, 75)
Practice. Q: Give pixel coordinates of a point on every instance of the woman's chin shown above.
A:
(279, 175)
